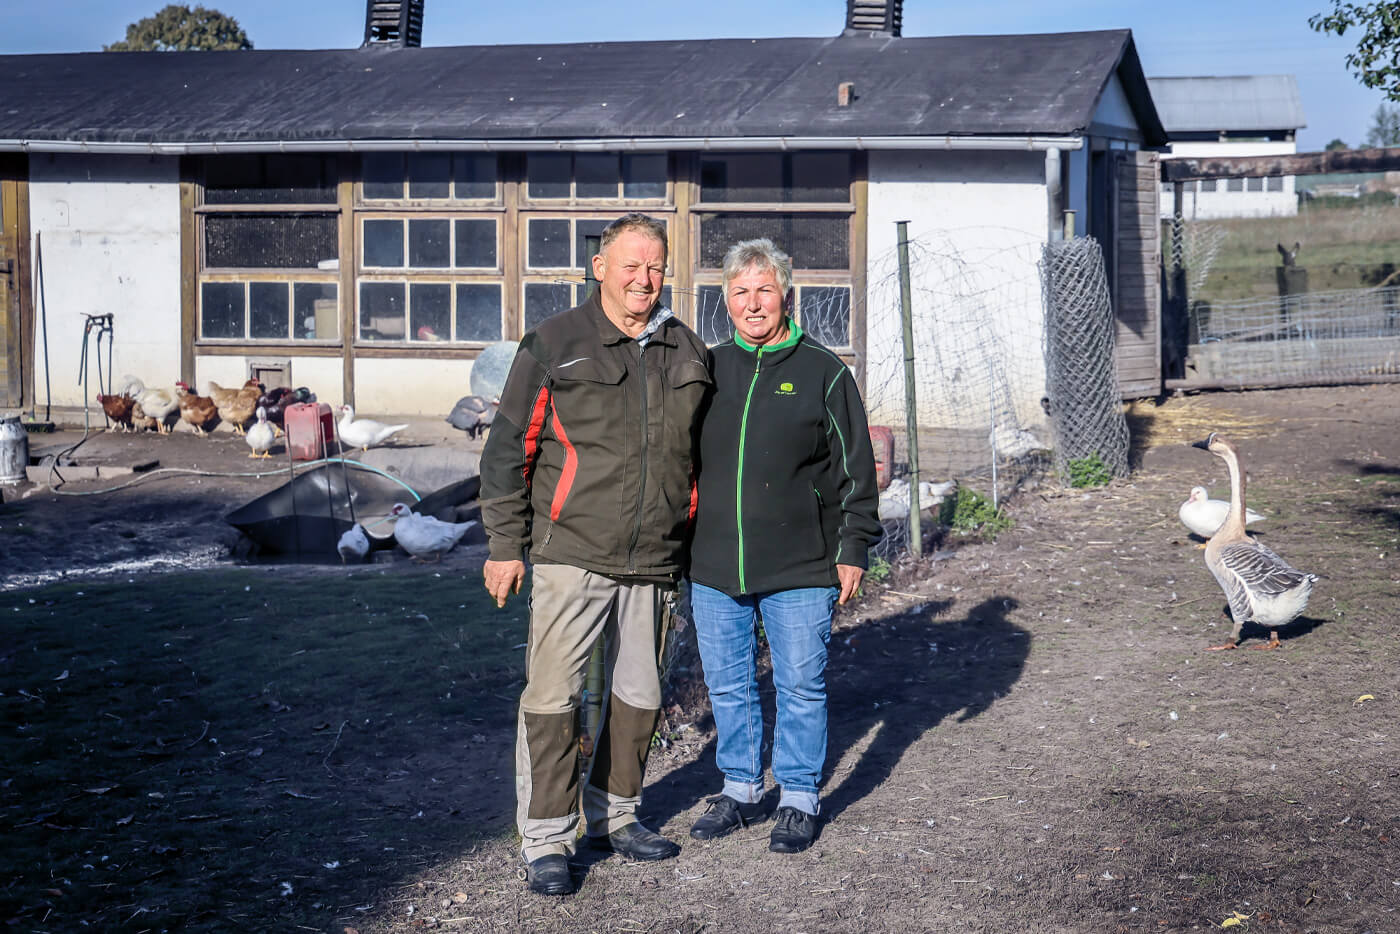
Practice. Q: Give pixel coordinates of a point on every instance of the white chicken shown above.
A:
(422, 536)
(363, 433)
(260, 435)
(1205, 516)
(155, 403)
(353, 545)
(894, 499)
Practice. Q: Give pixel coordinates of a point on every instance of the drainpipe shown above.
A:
(1054, 193)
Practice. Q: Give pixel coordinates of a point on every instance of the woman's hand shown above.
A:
(850, 577)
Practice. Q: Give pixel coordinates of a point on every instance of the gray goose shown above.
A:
(1260, 586)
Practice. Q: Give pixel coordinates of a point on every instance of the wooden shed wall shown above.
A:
(1136, 272)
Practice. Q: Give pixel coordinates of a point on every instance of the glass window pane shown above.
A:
(712, 321)
(644, 176)
(820, 176)
(1254, 184)
(430, 311)
(315, 311)
(742, 177)
(595, 175)
(1274, 183)
(381, 311)
(548, 244)
(1234, 184)
(476, 244)
(825, 314)
(585, 228)
(478, 312)
(269, 179)
(1207, 184)
(474, 174)
(666, 297)
(221, 309)
(429, 174)
(383, 243)
(547, 174)
(814, 241)
(382, 174)
(544, 300)
(269, 241)
(268, 301)
(429, 244)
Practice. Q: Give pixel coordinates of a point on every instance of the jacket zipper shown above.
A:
(739, 483)
(642, 479)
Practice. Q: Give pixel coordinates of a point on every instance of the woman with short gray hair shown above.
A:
(787, 510)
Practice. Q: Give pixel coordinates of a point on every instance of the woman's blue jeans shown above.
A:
(797, 624)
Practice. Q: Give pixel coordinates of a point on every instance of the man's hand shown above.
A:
(504, 578)
(850, 577)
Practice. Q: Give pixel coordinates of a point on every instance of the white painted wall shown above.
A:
(106, 230)
(409, 387)
(977, 224)
(1221, 203)
(319, 374)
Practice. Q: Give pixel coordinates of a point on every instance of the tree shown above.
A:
(1376, 61)
(178, 28)
(1337, 143)
(1385, 127)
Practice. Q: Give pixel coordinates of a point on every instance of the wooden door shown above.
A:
(1133, 273)
(13, 267)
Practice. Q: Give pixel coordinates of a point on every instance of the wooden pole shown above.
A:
(911, 402)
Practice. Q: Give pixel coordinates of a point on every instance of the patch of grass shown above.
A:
(188, 743)
(879, 571)
(971, 512)
(1088, 471)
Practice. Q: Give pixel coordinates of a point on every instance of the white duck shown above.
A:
(353, 545)
(1204, 515)
(364, 433)
(894, 499)
(1260, 586)
(260, 435)
(422, 536)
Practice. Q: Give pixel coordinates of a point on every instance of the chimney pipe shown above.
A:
(878, 18)
(397, 23)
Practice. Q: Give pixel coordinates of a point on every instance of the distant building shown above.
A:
(1241, 115)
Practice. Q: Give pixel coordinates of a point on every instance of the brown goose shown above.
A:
(1260, 586)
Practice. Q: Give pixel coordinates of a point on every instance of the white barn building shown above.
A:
(365, 221)
(1227, 117)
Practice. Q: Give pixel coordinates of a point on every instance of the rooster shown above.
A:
(195, 410)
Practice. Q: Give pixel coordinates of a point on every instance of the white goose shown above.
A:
(1260, 586)
(422, 536)
(1204, 515)
(364, 433)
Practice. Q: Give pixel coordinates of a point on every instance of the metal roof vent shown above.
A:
(874, 18)
(394, 22)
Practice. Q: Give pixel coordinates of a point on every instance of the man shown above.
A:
(588, 473)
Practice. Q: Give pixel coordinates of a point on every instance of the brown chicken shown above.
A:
(118, 409)
(236, 406)
(197, 411)
(140, 421)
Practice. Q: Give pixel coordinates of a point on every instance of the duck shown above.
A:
(894, 499)
(1204, 515)
(260, 435)
(364, 433)
(354, 544)
(1260, 586)
(422, 536)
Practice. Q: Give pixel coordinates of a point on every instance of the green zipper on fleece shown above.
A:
(739, 480)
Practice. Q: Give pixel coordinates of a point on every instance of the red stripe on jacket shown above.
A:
(566, 476)
(532, 432)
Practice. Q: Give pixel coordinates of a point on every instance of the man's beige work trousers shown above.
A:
(569, 609)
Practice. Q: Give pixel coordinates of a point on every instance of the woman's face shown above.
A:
(757, 306)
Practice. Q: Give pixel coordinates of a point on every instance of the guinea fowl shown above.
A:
(473, 414)
(1260, 586)
(1204, 515)
(364, 433)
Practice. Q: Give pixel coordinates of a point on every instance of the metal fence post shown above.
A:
(911, 404)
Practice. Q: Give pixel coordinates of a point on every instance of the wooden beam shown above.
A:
(189, 268)
(1302, 163)
(860, 249)
(348, 252)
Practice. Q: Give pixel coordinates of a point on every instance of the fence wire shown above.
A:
(1081, 368)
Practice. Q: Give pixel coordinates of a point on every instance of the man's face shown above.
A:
(757, 306)
(630, 272)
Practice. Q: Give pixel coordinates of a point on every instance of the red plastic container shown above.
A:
(310, 430)
(882, 439)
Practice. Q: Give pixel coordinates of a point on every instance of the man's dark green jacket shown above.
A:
(787, 473)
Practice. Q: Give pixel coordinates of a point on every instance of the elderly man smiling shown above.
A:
(788, 504)
(589, 472)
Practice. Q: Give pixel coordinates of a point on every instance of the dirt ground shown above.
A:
(1026, 735)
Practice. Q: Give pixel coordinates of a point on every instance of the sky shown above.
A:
(1185, 37)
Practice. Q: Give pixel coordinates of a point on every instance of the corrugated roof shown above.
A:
(959, 86)
(1238, 102)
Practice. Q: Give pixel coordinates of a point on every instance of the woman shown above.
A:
(787, 508)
